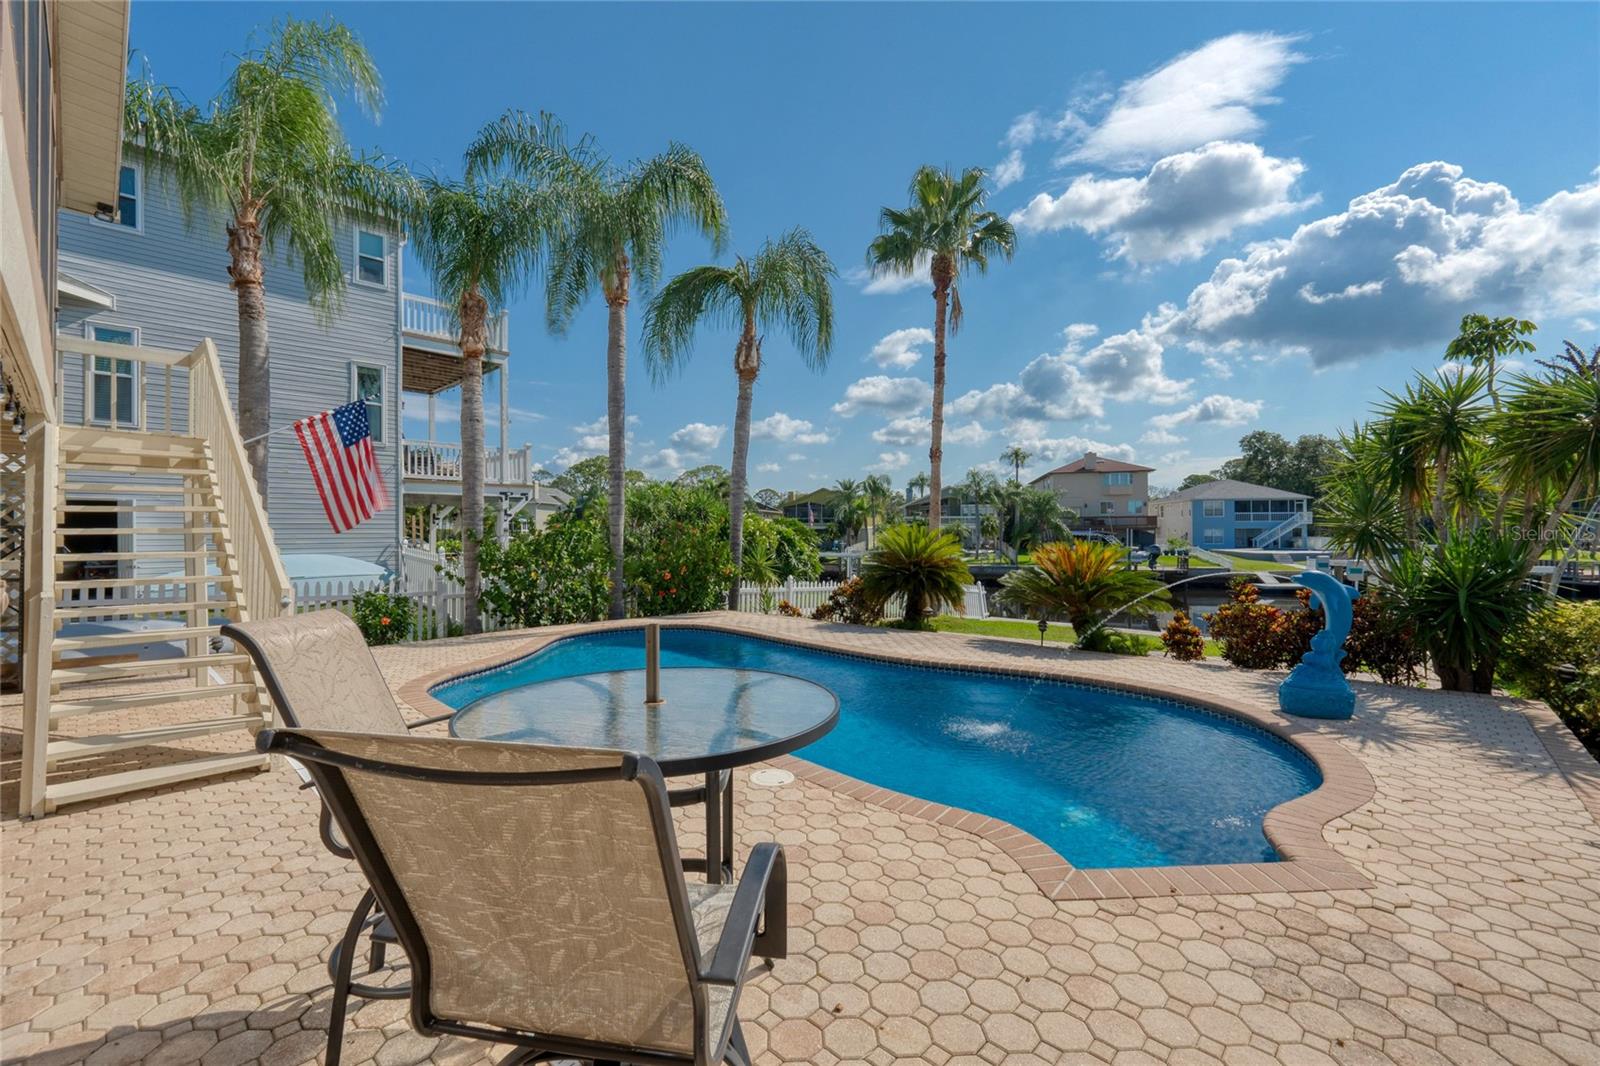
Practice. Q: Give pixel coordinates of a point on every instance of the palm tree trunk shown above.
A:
(255, 378)
(746, 363)
(616, 420)
(474, 312)
(941, 306)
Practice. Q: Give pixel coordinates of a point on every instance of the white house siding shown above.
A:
(170, 282)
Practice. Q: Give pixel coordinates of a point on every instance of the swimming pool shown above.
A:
(1105, 778)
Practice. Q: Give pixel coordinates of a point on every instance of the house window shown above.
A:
(366, 383)
(1213, 536)
(1212, 508)
(113, 383)
(1119, 478)
(129, 199)
(1108, 507)
(1136, 507)
(370, 260)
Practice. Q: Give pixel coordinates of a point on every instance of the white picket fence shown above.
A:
(809, 595)
(439, 606)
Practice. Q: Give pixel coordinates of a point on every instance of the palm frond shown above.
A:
(712, 294)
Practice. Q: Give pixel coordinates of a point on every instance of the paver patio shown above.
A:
(192, 924)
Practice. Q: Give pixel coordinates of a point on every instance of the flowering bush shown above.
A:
(676, 549)
(1182, 639)
(383, 618)
(852, 604)
(789, 610)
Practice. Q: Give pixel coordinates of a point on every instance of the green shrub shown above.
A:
(1555, 635)
(676, 552)
(852, 604)
(383, 617)
(789, 610)
(554, 576)
(1182, 639)
(1381, 641)
(1119, 642)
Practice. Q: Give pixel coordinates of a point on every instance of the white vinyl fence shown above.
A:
(440, 606)
(809, 595)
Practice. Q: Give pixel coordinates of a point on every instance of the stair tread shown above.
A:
(70, 708)
(91, 788)
(144, 531)
(71, 609)
(134, 508)
(133, 490)
(143, 636)
(65, 674)
(129, 582)
(79, 747)
(107, 557)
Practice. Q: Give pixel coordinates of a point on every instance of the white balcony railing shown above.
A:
(441, 461)
(424, 317)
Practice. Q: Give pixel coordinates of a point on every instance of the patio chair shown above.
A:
(321, 675)
(539, 894)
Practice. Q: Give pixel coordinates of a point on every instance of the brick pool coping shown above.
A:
(1294, 829)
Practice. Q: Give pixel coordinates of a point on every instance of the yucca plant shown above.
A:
(1088, 581)
(922, 565)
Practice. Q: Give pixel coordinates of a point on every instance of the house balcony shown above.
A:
(440, 462)
(432, 360)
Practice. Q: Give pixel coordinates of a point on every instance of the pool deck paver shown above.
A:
(191, 924)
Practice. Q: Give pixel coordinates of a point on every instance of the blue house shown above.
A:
(1234, 514)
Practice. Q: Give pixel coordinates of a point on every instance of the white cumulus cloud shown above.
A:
(697, 437)
(890, 461)
(1185, 204)
(900, 349)
(885, 283)
(781, 427)
(890, 396)
(1217, 408)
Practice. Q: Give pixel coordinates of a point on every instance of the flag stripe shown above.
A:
(344, 465)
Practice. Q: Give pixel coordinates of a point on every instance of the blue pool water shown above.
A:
(1105, 778)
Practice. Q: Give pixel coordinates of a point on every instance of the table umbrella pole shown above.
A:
(652, 665)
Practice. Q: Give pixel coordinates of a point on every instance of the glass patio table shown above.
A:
(708, 722)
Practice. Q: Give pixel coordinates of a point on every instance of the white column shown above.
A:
(505, 425)
(433, 412)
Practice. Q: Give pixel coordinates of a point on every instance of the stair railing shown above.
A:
(265, 589)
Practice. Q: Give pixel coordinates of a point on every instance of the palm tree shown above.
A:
(481, 241)
(785, 286)
(922, 565)
(947, 227)
(1018, 457)
(1484, 341)
(269, 151)
(918, 483)
(878, 492)
(1087, 581)
(617, 229)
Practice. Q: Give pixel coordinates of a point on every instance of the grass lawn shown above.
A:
(1058, 633)
(1241, 562)
(1195, 563)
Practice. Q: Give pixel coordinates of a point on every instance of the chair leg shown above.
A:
(344, 957)
(737, 1054)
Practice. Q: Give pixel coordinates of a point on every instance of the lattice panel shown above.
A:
(13, 526)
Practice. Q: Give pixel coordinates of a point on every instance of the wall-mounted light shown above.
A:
(105, 212)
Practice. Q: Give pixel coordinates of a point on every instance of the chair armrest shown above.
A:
(762, 893)
(420, 722)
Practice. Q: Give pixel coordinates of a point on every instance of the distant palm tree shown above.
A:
(1018, 457)
(787, 286)
(921, 565)
(918, 483)
(1483, 341)
(480, 241)
(616, 230)
(878, 492)
(945, 226)
(269, 151)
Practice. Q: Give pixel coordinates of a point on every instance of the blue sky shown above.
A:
(1231, 217)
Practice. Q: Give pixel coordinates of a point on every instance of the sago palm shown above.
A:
(1085, 580)
(481, 241)
(786, 286)
(618, 223)
(947, 227)
(922, 565)
(268, 152)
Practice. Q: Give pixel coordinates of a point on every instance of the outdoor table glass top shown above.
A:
(710, 718)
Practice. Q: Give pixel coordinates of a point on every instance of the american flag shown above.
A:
(338, 447)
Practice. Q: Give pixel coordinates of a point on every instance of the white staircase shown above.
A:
(126, 685)
(1295, 522)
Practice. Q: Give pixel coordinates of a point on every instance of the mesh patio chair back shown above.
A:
(320, 672)
(553, 906)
